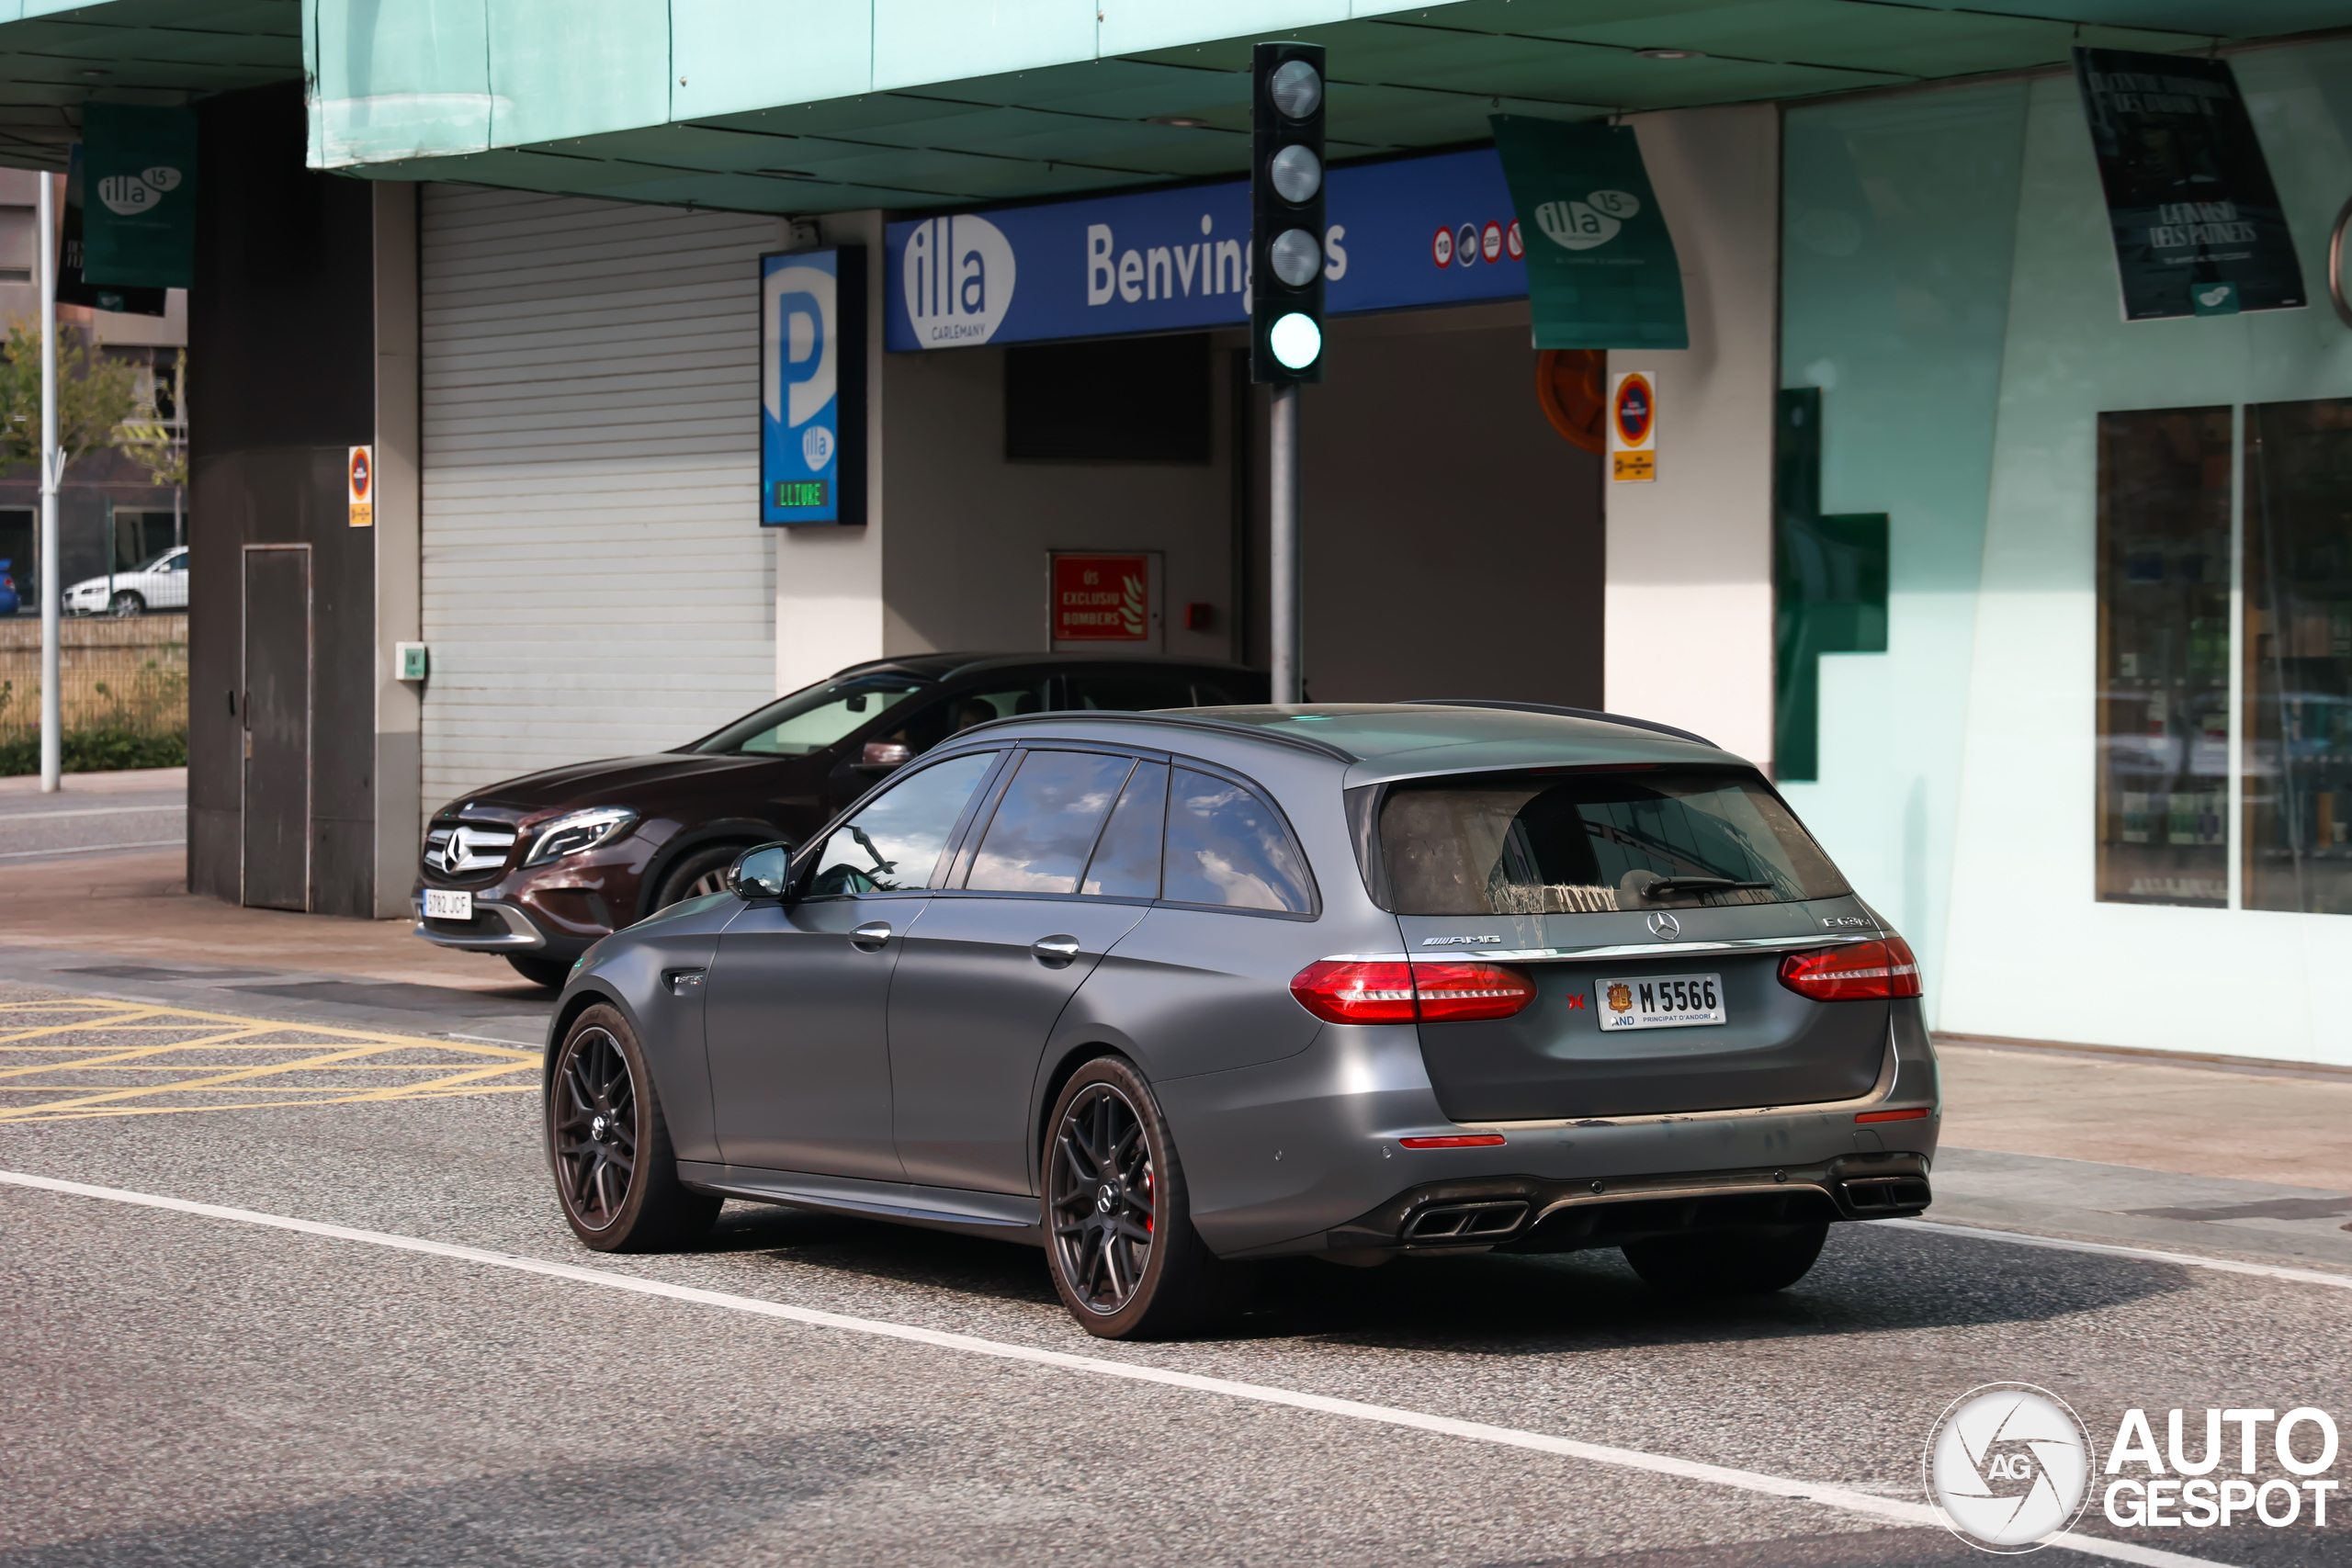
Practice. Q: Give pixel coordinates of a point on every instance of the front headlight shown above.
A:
(579, 830)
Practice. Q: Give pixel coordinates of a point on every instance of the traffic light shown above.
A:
(1286, 214)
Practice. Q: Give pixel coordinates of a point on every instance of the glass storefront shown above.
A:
(2299, 656)
(2164, 658)
(2166, 573)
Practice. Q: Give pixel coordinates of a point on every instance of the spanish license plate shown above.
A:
(1660, 1002)
(449, 904)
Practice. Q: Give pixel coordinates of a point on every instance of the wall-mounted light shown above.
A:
(1670, 54)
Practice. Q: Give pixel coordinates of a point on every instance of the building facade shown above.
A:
(2067, 669)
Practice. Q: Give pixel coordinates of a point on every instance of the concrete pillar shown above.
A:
(1689, 624)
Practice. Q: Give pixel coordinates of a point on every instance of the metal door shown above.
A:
(274, 713)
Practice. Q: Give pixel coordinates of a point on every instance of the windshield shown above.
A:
(814, 717)
(1548, 843)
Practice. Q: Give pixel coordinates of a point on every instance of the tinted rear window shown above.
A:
(1226, 846)
(1528, 845)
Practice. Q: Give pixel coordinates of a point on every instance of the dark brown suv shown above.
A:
(538, 868)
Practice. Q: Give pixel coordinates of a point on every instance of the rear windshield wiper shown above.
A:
(1664, 884)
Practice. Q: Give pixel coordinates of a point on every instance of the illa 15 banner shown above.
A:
(2199, 231)
(138, 196)
(1602, 271)
(71, 288)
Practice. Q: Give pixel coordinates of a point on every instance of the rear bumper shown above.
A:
(1527, 1214)
(1307, 1154)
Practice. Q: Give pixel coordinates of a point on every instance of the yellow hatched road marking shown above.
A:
(31, 1053)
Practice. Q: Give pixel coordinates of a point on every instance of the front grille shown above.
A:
(454, 848)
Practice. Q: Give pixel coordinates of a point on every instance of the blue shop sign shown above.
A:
(1414, 232)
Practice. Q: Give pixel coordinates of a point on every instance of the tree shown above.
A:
(94, 395)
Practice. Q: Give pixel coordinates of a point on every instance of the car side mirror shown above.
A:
(881, 756)
(761, 871)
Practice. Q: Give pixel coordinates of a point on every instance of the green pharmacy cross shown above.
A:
(1829, 578)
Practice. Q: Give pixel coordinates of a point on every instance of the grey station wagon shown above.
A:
(1166, 993)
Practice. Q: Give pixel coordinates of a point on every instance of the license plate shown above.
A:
(446, 904)
(1660, 1002)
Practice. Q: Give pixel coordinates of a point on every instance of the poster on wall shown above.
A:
(2199, 231)
(1103, 602)
(812, 386)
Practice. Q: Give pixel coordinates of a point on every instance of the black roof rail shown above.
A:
(1171, 715)
(1569, 713)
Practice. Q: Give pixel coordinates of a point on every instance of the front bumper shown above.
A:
(495, 927)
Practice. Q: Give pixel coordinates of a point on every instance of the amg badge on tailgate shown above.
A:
(1460, 940)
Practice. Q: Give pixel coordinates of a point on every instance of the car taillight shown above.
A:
(1866, 971)
(1348, 990)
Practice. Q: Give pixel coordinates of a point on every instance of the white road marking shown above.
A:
(9, 817)
(89, 849)
(2226, 1265)
(1914, 1514)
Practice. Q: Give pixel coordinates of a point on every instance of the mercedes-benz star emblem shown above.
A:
(1107, 1200)
(1665, 927)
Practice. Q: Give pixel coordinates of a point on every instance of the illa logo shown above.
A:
(127, 194)
(957, 279)
(1595, 220)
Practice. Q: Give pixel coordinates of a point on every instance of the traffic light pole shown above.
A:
(1282, 470)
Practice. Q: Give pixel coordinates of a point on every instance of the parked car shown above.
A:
(160, 584)
(1166, 993)
(538, 868)
(9, 601)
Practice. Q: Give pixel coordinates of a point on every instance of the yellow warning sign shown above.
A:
(1633, 466)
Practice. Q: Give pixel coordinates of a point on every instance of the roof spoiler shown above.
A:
(1594, 714)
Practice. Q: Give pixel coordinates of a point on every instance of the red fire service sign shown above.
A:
(1101, 598)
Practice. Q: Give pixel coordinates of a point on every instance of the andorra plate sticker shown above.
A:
(1660, 1002)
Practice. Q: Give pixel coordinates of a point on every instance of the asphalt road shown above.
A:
(73, 822)
(186, 1388)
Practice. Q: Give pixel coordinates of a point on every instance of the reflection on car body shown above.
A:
(1168, 993)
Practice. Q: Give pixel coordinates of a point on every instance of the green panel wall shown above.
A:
(737, 56)
(573, 67)
(1898, 221)
(399, 80)
(915, 39)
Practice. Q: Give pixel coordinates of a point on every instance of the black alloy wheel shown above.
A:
(1121, 1246)
(615, 1171)
(1103, 1224)
(593, 1120)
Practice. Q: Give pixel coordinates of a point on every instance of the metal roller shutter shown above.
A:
(595, 584)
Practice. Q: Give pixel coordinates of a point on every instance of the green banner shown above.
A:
(1600, 266)
(138, 196)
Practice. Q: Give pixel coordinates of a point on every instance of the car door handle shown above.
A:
(1055, 950)
(871, 936)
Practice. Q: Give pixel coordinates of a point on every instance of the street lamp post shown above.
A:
(53, 734)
